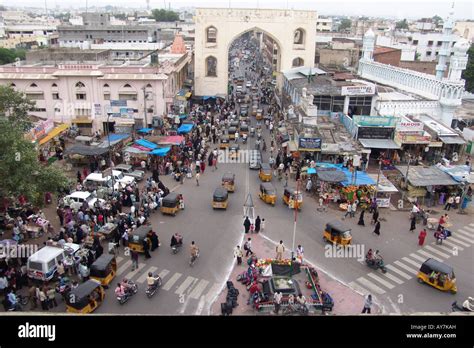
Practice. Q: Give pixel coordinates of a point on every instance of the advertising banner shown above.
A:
(375, 121)
(410, 127)
(118, 103)
(309, 144)
(358, 90)
(383, 202)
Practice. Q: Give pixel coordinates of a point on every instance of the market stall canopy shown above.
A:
(114, 139)
(427, 176)
(85, 150)
(331, 175)
(452, 140)
(459, 173)
(185, 128)
(146, 143)
(379, 144)
(384, 184)
(136, 150)
(171, 140)
(160, 151)
(311, 171)
(145, 130)
(55, 132)
(183, 116)
(361, 178)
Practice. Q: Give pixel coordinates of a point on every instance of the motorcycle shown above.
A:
(467, 306)
(133, 289)
(193, 259)
(151, 289)
(376, 264)
(175, 248)
(244, 139)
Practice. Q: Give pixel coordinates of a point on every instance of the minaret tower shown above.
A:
(445, 50)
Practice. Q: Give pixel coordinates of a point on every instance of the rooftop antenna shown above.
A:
(86, 6)
(46, 8)
(148, 5)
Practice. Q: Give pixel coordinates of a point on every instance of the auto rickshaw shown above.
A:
(259, 115)
(228, 182)
(437, 274)
(220, 198)
(86, 298)
(265, 173)
(336, 233)
(104, 269)
(135, 240)
(172, 203)
(267, 193)
(234, 151)
(224, 142)
(244, 129)
(232, 131)
(254, 110)
(292, 198)
(235, 124)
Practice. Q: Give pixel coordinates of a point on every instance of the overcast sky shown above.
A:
(464, 9)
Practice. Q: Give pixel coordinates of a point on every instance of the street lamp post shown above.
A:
(110, 152)
(294, 227)
(144, 106)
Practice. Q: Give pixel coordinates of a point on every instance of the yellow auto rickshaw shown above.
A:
(437, 274)
(259, 115)
(224, 142)
(231, 131)
(267, 193)
(104, 269)
(86, 298)
(254, 110)
(220, 198)
(234, 151)
(228, 182)
(244, 129)
(336, 233)
(292, 198)
(135, 240)
(265, 173)
(172, 203)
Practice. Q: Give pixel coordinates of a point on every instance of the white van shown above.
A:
(43, 264)
(95, 181)
(123, 179)
(76, 199)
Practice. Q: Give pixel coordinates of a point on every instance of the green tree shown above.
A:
(437, 19)
(468, 74)
(346, 23)
(22, 173)
(162, 15)
(8, 56)
(402, 24)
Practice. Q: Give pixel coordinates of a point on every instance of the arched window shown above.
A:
(211, 66)
(12, 85)
(127, 86)
(299, 37)
(33, 85)
(106, 85)
(149, 86)
(298, 62)
(211, 35)
(54, 85)
(80, 85)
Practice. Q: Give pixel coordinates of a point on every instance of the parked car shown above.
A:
(76, 199)
(128, 170)
(255, 159)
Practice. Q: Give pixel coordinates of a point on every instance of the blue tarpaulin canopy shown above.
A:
(183, 116)
(361, 178)
(185, 128)
(145, 130)
(114, 139)
(311, 171)
(207, 97)
(146, 143)
(161, 151)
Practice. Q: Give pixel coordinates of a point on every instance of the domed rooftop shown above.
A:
(369, 34)
(461, 46)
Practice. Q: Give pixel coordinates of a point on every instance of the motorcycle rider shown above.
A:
(126, 286)
(194, 250)
(176, 240)
(469, 304)
(119, 290)
(369, 255)
(12, 300)
(151, 280)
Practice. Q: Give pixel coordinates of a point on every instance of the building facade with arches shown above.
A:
(216, 28)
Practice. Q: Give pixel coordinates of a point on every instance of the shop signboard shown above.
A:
(97, 110)
(118, 103)
(383, 202)
(358, 90)
(309, 144)
(375, 121)
(41, 129)
(374, 133)
(330, 148)
(435, 144)
(403, 138)
(409, 127)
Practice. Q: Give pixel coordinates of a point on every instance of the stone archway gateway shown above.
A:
(294, 31)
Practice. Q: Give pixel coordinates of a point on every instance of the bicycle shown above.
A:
(298, 309)
(193, 259)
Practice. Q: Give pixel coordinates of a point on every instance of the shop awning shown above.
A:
(78, 121)
(185, 128)
(427, 176)
(171, 140)
(146, 143)
(379, 144)
(331, 175)
(452, 140)
(161, 151)
(135, 150)
(384, 184)
(114, 139)
(292, 147)
(145, 130)
(85, 150)
(361, 178)
(56, 131)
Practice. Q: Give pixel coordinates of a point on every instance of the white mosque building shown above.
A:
(433, 95)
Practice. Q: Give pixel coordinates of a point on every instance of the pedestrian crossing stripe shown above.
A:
(197, 291)
(393, 278)
(135, 272)
(163, 273)
(359, 288)
(371, 286)
(213, 292)
(453, 245)
(171, 281)
(184, 285)
(427, 254)
(396, 270)
(124, 266)
(463, 237)
(471, 224)
(445, 248)
(405, 267)
(456, 240)
(465, 233)
(119, 259)
(416, 264)
(433, 250)
(143, 277)
(380, 280)
(469, 229)
(418, 257)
